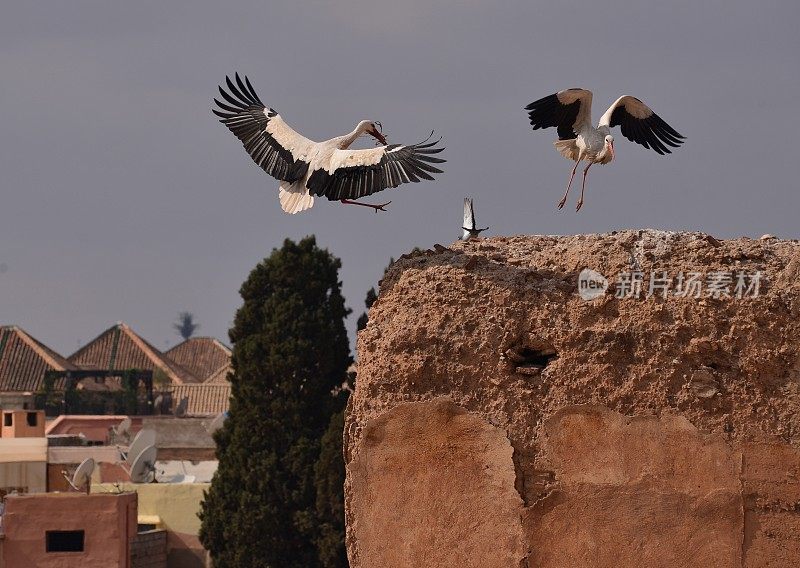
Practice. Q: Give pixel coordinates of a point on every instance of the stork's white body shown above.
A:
(588, 145)
(295, 197)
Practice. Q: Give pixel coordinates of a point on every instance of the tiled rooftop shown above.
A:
(205, 399)
(119, 347)
(24, 360)
(204, 357)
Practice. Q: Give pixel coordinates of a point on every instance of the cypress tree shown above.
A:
(290, 356)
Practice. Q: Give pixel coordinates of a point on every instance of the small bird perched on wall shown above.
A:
(470, 228)
(571, 112)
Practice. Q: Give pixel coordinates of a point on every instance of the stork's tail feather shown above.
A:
(567, 148)
(294, 199)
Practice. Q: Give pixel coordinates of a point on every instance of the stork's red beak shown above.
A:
(611, 148)
(377, 135)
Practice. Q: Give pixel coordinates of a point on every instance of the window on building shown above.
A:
(64, 541)
(8, 419)
(31, 419)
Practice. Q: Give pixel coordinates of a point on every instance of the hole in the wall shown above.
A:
(532, 358)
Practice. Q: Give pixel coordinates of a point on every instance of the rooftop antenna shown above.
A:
(143, 469)
(82, 478)
(217, 423)
(183, 405)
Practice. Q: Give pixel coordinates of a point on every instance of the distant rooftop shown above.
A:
(204, 357)
(204, 400)
(119, 347)
(24, 360)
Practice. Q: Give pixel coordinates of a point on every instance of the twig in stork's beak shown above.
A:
(376, 134)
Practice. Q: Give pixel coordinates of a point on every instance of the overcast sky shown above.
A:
(122, 198)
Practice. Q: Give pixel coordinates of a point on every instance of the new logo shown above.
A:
(591, 284)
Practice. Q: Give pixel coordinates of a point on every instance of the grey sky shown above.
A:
(122, 198)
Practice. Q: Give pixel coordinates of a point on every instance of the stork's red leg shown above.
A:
(583, 187)
(569, 185)
(375, 207)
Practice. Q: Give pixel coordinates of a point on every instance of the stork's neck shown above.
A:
(346, 140)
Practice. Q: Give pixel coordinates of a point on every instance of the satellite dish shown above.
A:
(121, 430)
(142, 440)
(83, 476)
(217, 423)
(183, 405)
(124, 427)
(158, 403)
(143, 469)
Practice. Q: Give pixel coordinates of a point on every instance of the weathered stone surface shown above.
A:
(771, 479)
(479, 322)
(642, 491)
(431, 485)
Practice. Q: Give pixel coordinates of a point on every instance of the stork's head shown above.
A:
(609, 149)
(373, 128)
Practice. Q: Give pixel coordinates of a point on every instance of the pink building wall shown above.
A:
(95, 428)
(108, 522)
(15, 424)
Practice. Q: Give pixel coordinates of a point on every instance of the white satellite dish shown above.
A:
(124, 427)
(142, 440)
(217, 423)
(180, 410)
(121, 431)
(143, 469)
(158, 403)
(82, 477)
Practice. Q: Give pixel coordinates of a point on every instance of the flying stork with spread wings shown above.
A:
(570, 111)
(306, 168)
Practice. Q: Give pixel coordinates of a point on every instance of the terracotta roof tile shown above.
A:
(119, 347)
(204, 357)
(24, 360)
(204, 399)
(220, 377)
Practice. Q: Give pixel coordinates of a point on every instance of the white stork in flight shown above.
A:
(306, 168)
(570, 112)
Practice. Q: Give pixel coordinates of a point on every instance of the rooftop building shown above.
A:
(69, 530)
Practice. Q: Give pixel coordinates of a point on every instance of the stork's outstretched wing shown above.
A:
(640, 124)
(358, 173)
(569, 111)
(273, 144)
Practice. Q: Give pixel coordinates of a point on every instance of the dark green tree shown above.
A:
(329, 481)
(271, 502)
